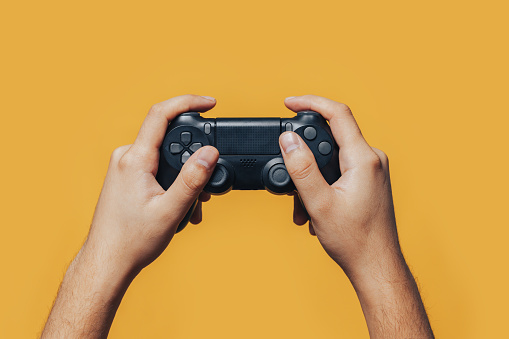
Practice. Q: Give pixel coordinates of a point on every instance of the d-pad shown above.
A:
(185, 148)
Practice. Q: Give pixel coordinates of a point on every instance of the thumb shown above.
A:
(300, 162)
(190, 182)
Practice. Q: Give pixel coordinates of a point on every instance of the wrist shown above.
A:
(387, 292)
(381, 277)
(88, 297)
(103, 275)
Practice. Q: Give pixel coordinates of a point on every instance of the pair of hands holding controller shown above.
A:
(135, 220)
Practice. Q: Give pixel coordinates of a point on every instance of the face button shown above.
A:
(324, 148)
(310, 133)
(184, 157)
(194, 147)
(176, 148)
(185, 137)
(206, 128)
(288, 126)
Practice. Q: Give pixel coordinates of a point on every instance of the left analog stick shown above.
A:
(219, 177)
(221, 180)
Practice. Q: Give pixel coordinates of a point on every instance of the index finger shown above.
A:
(343, 124)
(151, 134)
(353, 147)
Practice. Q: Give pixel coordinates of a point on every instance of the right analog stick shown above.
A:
(278, 176)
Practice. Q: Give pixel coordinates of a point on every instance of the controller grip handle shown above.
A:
(187, 217)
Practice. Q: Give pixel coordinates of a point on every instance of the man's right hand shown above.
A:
(354, 220)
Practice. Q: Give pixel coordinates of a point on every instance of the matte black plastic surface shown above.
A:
(249, 153)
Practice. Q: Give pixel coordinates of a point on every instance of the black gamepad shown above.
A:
(249, 153)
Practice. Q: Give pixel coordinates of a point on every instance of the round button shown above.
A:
(219, 177)
(278, 175)
(310, 133)
(324, 148)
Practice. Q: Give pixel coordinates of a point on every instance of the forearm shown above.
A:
(88, 297)
(391, 301)
(134, 220)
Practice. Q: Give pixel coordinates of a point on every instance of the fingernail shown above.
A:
(208, 98)
(289, 141)
(289, 98)
(207, 157)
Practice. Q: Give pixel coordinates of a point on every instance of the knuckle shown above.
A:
(126, 161)
(309, 97)
(192, 180)
(184, 104)
(303, 170)
(374, 162)
(180, 103)
(323, 206)
(156, 109)
(382, 156)
(117, 153)
(187, 97)
(342, 109)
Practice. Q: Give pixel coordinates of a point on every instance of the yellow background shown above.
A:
(427, 81)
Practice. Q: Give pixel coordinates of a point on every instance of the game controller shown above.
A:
(249, 153)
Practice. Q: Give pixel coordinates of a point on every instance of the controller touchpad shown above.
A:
(248, 137)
